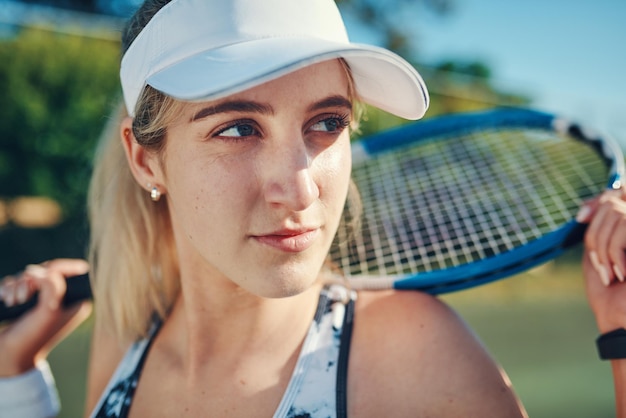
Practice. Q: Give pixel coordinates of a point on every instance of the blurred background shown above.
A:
(58, 78)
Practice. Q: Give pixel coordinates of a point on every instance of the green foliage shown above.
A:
(394, 21)
(57, 90)
(454, 86)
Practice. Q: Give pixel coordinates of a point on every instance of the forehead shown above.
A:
(330, 74)
(303, 85)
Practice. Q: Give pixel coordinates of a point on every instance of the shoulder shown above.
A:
(403, 326)
(404, 307)
(414, 318)
(419, 354)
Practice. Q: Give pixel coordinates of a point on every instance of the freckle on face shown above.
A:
(219, 221)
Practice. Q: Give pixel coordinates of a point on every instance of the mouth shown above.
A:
(289, 241)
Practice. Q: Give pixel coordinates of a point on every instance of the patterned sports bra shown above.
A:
(317, 388)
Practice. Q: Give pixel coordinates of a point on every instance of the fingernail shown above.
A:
(583, 214)
(21, 293)
(604, 274)
(36, 271)
(9, 299)
(3, 290)
(618, 273)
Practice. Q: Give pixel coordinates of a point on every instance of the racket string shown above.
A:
(463, 199)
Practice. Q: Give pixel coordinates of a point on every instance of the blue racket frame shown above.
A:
(510, 262)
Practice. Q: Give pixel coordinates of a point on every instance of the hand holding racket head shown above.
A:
(457, 201)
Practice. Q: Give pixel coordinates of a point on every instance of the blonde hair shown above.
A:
(134, 270)
(134, 266)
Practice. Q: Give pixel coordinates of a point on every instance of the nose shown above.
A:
(289, 176)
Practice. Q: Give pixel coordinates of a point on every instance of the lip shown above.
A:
(289, 241)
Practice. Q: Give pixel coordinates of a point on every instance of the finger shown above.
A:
(602, 207)
(601, 271)
(50, 278)
(602, 230)
(618, 269)
(23, 291)
(15, 291)
(51, 285)
(594, 283)
(27, 286)
(607, 230)
(67, 267)
(33, 335)
(596, 242)
(587, 210)
(617, 248)
(7, 291)
(589, 207)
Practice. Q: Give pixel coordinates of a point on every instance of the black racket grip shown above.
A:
(78, 289)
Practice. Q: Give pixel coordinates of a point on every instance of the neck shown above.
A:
(216, 319)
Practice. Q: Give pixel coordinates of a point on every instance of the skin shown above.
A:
(29, 340)
(273, 199)
(604, 265)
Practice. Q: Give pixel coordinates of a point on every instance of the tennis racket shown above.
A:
(462, 200)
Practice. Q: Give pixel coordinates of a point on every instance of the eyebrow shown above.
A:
(332, 101)
(242, 106)
(245, 106)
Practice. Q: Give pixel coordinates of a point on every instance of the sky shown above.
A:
(568, 55)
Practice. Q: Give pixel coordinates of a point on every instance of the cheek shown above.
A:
(337, 170)
(202, 191)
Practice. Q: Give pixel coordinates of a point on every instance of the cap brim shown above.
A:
(381, 78)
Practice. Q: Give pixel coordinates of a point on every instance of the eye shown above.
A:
(238, 130)
(335, 123)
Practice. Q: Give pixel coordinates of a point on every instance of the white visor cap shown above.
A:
(197, 50)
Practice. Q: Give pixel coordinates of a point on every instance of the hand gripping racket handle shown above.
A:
(78, 289)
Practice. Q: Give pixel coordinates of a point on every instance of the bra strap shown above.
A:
(342, 365)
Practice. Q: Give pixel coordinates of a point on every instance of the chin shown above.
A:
(277, 287)
(280, 279)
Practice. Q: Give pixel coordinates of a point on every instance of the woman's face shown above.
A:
(256, 182)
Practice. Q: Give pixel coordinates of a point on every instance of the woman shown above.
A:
(211, 223)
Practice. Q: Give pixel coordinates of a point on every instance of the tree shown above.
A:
(56, 92)
(454, 85)
(395, 21)
(109, 7)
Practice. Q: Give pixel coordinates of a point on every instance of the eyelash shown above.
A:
(343, 122)
(236, 124)
(343, 119)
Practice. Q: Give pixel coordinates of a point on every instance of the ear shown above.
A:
(144, 165)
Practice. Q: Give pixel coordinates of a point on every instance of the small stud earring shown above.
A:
(155, 194)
